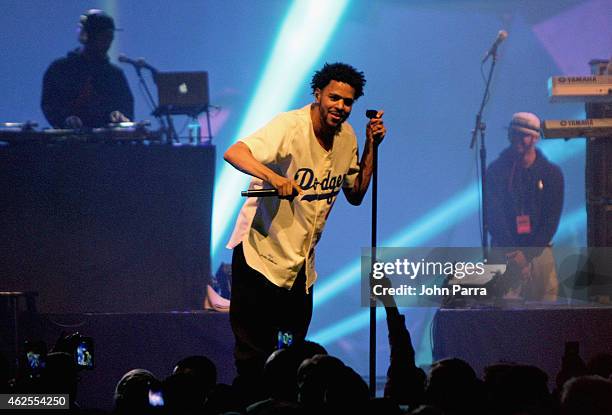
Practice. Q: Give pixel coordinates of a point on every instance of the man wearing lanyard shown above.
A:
(525, 199)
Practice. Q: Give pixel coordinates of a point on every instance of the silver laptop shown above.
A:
(183, 93)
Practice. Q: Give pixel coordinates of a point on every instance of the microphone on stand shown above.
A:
(501, 36)
(372, 114)
(136, 63)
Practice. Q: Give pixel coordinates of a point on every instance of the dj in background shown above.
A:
(84, 89)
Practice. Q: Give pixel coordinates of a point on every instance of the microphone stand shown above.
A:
(168, 129)
(480, 127)
(373, 308)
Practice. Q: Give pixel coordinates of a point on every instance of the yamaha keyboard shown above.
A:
(596, 127)
(591, 88)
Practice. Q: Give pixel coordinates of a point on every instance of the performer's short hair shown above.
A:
(340, 72)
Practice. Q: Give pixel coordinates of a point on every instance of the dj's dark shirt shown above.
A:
(90, 89)
(512, 190)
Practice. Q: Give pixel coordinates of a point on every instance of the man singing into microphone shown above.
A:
(307, 155)
(84, 89)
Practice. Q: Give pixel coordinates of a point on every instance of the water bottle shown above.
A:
(194, 131)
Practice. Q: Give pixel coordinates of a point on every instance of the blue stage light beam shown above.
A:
(301, 40)
(346, 326)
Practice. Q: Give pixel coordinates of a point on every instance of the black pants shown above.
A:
(259, 309)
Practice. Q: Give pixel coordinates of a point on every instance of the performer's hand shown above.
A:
(517, 258)
(526, 273)
(375, 130)
(287, 188)
(73, 122)
(117, 117)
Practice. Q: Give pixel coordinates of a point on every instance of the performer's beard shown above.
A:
(331, 120)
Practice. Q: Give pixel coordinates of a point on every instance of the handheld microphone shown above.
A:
(136, 63)
(259, 193)
(501, 36)
(371, 113)
(265, 193)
